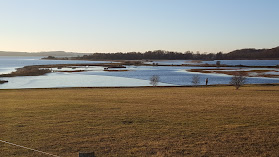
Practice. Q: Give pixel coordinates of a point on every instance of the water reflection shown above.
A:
(57, 80)
(95, 76)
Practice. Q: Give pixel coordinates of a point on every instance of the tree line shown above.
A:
(171, 55)
(254, 54)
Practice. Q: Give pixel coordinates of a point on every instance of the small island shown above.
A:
(3, 81)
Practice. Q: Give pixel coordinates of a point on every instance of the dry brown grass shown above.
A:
(212, 121)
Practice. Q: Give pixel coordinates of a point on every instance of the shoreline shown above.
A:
(144, 87)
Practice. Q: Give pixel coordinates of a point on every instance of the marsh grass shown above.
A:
(27, 71)
(188, 121)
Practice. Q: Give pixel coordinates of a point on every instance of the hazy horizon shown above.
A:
(90, 26)
(130, 51)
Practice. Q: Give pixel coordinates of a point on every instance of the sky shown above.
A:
(92, 26)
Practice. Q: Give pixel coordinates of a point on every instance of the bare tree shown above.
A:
(196, 80)
(238, 80)
(154, 80)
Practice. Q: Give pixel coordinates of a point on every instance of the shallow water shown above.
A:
(58, 80)
(96, 77)
(227, 62)
(9, 64)
(246, 62)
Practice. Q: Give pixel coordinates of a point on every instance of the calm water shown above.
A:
(227, 62)
(8, 64)
(136, 76)
(246, 62)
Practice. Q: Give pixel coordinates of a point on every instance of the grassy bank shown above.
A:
(141, 121)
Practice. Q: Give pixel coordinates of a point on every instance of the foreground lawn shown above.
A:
(171, 121)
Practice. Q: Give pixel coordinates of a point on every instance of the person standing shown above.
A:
(206, 81)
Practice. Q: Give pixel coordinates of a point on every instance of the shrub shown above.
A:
(195, 80)
(238, 80)
(154, 80)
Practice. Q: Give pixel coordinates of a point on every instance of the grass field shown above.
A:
(160, 121)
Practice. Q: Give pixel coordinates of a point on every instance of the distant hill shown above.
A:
(50, 53)
(251, 53)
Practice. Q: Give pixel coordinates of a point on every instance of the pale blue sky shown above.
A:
(138, 25)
